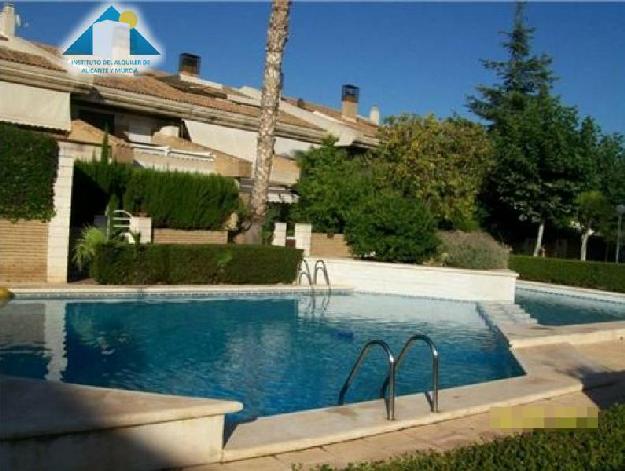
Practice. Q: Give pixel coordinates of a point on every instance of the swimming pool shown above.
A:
(565, 309)
(274, 354)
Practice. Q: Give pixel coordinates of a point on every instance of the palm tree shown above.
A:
(269, 105)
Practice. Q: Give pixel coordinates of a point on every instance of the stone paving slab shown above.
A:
(552, 370)
(437, 437)
(34, 408)
(608, 357)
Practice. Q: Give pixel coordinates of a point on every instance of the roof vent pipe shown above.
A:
(8, 20)
(374, 115)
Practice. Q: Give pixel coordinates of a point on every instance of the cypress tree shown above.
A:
(521, 75)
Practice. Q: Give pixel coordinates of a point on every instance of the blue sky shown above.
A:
(405, 57)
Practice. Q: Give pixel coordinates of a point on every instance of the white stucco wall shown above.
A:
(58, 228)
(415, 280)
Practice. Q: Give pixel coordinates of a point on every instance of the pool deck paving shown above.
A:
(448, 434)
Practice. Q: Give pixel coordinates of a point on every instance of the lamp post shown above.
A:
(620, 209)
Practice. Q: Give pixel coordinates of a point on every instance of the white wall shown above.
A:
(416, 280)
(58, 228)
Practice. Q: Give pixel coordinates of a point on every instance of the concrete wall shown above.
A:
(284, 171)
(303, 233)
(23, 251)
(175, 236)
(415, 280)
(327, 245)
(86, 152)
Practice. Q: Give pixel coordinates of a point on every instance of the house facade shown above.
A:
(170, 121)
(176, 121)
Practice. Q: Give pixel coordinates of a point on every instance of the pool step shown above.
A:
(508, 313)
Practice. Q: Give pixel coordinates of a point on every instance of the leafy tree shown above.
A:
(441, 163)
(606, 155)
(593, 211)
(390, 227)
(330, 186)
(539, 170)
(542, 157)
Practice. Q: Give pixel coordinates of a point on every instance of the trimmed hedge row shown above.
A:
(28, 167)
(581, 449)
(177, 200)
(119, 263)
(597, 275)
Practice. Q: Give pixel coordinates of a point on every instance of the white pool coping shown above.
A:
(552, 368)
(571, 291)
(71, 291)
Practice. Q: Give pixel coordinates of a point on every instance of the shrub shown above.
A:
(326, 196)
(597, 275)
(28, 168)
(475, 250)
(118, 263)
(86, 245)
(172, 199)
(581, 449)
(390, 228)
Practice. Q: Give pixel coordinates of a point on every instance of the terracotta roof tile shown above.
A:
(26, 58)
(152, 84)
(148, 85)
(362, 125)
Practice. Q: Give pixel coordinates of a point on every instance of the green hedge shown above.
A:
(582, 449)
(28, 168)
(118, 263)
(176, 200)
(597, 275)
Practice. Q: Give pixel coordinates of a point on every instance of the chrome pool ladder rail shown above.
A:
(390, 402)
(433, 398)
(304, 272)
(321, 265)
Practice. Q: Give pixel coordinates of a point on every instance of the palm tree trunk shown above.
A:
(269, 105)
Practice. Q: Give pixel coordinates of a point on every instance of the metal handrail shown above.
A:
(310, 285)
(433, 400)
(307, 275)
(305, 267)
(390, 402)
(321, 265)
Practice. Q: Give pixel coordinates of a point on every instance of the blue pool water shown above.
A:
(555, 309)
(274, 354)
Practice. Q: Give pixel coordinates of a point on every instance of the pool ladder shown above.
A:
(393, 366)
(304, 272)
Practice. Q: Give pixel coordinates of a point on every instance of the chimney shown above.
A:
(189, 64)
(8, 20)
(349, 101)
(374, 115)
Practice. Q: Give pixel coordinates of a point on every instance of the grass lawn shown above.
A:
(598, 449)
